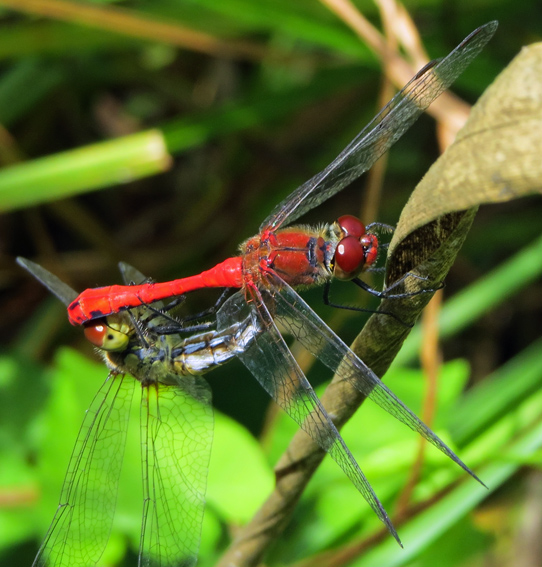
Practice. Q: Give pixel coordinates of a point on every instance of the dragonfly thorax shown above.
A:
(298, 254)
(305, 256)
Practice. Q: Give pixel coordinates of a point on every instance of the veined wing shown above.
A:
(131, 275)
(82, 524)
(383, 131)
(176, 436)
(55, 285)
(272, 364)
(324, 344)
(176, 428)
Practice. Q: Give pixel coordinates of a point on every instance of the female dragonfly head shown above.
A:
(111, 333)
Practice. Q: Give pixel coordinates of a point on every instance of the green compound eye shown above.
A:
(100, 334)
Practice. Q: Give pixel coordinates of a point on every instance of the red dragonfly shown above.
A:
(176, 424)
(301, 256)
(279, 258)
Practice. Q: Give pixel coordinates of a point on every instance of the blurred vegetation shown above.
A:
(193, 118)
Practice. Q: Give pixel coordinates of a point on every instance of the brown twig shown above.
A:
(448, 109)
(431, 362)
(134, 24)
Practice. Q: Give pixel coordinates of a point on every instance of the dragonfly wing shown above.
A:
(271, 362)
(82, 524)
(131, 275)
(383, 131)
(176, 436)
(57, 287)
(323, 343)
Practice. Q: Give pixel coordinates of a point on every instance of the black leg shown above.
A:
(179, 325)
(328, 301)
(386, 293)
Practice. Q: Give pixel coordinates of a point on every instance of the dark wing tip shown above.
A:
(56, 286)
(395, 535)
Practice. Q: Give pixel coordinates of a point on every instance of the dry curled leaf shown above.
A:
(495, 158)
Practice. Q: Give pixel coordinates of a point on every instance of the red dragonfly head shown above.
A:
(356, 249)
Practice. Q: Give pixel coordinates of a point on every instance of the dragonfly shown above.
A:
(280, 256)
(176, 423)
(270, 266)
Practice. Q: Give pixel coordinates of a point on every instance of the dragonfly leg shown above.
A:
(179, 325)
(385, 294)
(174, 326)
(327, 301)
(375, 270)
(174, 303)
(382, 227)
(213, 309)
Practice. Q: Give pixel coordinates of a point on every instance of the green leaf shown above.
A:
(239, 476)
(76, 171)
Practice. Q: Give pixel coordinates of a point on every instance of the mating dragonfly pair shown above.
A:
(139, 339)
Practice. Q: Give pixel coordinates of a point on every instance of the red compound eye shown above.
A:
(351, 226)
(349, 258)
(96, 333)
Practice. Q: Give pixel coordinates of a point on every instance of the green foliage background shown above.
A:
(236, 133)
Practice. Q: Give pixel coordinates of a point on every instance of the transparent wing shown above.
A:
(383, 131)
(57, 287)
(131, 275)
(323, 343)
(82, 524)
(176, 436)
(272, 364)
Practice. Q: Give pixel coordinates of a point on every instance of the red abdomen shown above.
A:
(102, 301)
